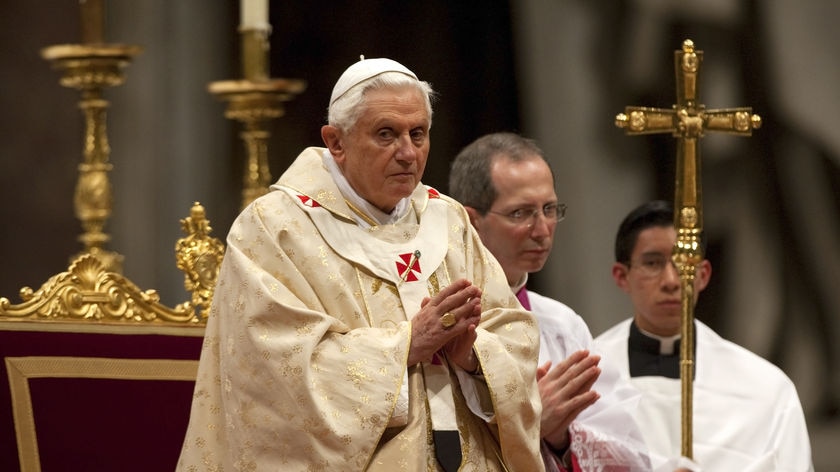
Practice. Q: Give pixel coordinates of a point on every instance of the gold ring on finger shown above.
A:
(447, 320)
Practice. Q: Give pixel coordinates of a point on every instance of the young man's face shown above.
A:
(653, 283)
(520, 247)
(384, 155)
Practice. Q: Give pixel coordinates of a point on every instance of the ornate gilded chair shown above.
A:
(97, 374)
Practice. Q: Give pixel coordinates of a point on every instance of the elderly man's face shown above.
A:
(384, 155)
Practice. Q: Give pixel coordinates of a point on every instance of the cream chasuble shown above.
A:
(304, 359)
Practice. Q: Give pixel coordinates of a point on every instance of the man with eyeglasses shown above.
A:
(747, 415)
(507, 188)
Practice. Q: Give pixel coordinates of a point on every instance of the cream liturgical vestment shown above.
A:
(304, 360)
(747, 414)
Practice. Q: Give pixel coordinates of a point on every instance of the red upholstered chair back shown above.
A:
(81, 396)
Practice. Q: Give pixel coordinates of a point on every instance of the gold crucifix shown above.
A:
(687, 121)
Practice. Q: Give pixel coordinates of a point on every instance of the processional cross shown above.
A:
(687, 121)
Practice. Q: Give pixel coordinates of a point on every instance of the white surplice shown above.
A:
(747, 415)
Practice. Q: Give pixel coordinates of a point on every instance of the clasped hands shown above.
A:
(565, 391)
(460, 302)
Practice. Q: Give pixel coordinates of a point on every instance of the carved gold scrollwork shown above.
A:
(87, 291)
(199, 256)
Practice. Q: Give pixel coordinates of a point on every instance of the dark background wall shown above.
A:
(463, 49)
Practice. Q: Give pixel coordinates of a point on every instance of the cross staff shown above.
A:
(687, 121)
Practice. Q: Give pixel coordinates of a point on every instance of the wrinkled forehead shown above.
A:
(395, 101)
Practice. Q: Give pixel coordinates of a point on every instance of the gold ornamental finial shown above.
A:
(199, 256)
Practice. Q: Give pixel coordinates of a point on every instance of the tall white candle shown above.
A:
(253, 15)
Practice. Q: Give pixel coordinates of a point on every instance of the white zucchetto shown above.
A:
(363, 70)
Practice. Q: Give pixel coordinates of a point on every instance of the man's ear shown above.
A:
(619, 275)
(474, 216)
(702, 275)
(332, 139)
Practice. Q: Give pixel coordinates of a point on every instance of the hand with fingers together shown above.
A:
(448, 320)
(565, 391)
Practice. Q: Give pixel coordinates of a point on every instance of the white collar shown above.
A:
(666, 343)
(356, 200)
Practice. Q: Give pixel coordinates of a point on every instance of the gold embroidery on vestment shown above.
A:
(374, 288)
(360, 213)
(434, 284)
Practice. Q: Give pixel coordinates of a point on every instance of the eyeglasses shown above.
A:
(652, 266)
(553, 213)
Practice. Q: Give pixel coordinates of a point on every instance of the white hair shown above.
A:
(345, 111)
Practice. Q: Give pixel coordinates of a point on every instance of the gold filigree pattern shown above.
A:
(87, 291)
(199, 256)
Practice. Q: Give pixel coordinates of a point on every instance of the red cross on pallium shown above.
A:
(433, 193)
(407, 265)
(308, 201)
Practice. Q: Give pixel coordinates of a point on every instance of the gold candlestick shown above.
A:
(92, 21)
(89, 69)
(255, 49)
(254, 102)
